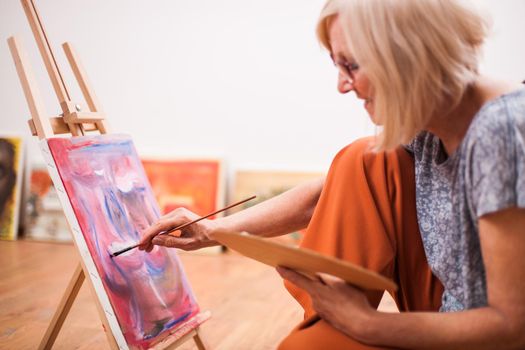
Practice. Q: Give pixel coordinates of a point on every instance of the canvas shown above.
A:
(44, 219)
(11, 160)
(192, 184)
(112, 202)
(267, 184)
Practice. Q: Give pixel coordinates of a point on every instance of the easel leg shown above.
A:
(198, 341)
(63, 308)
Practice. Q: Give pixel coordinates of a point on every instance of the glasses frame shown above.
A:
(347, 69)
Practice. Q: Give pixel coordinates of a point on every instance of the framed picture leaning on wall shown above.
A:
(11, 172)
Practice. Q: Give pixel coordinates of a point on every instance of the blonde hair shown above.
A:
(419, 56)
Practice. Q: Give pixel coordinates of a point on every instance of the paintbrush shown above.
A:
(180, 227)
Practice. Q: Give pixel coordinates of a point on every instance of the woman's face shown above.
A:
(350, 76)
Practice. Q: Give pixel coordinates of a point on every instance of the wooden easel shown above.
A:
(76, 122)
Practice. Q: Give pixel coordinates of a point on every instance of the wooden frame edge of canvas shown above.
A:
(20, 181)
(20, 166)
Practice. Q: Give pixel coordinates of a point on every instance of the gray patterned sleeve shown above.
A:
(497, 159)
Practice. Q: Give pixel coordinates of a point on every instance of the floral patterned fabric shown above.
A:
(486, 174)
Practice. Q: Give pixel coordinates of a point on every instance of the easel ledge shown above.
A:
(76, 122)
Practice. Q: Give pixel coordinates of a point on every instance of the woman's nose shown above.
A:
(343, 84)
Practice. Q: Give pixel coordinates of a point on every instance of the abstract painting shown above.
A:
(11, 160)
(44, 219)
(113, 203)
(267, 184)
(192, 184)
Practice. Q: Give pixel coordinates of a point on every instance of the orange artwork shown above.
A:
(192, 184)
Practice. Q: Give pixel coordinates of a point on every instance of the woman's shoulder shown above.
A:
(493, 155)
(500, 122)
(504, 109)
(501, 118)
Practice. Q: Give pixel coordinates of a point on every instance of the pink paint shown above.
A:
(113, 204)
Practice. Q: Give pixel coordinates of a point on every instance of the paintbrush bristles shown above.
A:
(117, 253)
(180, 227)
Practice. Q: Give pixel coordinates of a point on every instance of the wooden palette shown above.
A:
(303, 260)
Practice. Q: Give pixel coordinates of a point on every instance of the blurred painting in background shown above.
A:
(11, 171)
(193, 184)
(268, 184)
(44, 217)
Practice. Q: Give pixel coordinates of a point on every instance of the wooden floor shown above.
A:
(250, 307)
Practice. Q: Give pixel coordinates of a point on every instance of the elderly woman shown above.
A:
(436, 201)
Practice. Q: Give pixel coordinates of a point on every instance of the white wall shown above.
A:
(240, 79)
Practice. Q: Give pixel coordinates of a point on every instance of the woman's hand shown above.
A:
(343, 306)
(192, 237)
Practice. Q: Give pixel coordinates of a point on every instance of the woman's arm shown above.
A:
(500, 325)
(285, 213)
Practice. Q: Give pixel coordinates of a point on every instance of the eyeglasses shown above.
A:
(347, 69)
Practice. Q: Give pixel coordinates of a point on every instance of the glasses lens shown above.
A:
(347, 69)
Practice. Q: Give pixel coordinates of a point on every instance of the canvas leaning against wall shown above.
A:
(44, 217)
(11, 173)
(194, 184)
(268, 184)
(109, 203)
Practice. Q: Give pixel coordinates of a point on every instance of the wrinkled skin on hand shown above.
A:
(192, 237)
